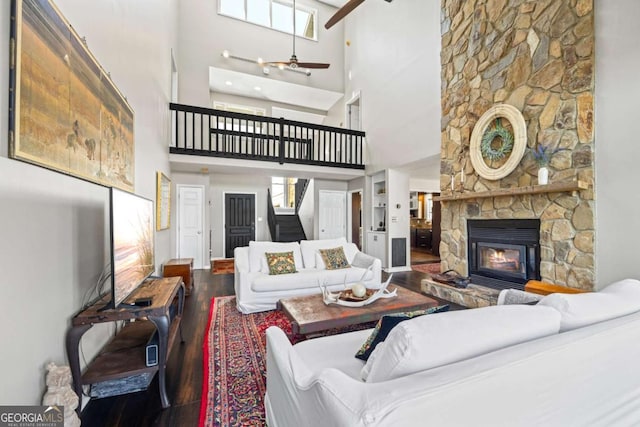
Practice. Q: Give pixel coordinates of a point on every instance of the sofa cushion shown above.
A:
(427, 342)
(309, 248)
(362, 260)
(281, 262)
(257, 252)
(578, 310)
(386, 324)
(307, 278)
(334, 258)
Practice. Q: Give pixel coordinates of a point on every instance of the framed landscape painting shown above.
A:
(66, 114)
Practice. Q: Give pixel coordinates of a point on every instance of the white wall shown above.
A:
(306, 212)
(617, 142)
(53, 239)
(204, 35)
(424, 185)
(394, 60)
(219, 184)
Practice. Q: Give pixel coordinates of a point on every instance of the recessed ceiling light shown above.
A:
(258, 88)
(228, 83)
(281, 66)
(225, 53)
(260, 61)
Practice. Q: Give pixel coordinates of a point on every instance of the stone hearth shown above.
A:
(473, 296)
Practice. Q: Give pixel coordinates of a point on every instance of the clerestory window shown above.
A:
(275, 14)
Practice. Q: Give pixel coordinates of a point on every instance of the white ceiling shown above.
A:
(270, 89)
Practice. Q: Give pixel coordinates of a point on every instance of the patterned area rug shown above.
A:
(234, 381)
(432, 268)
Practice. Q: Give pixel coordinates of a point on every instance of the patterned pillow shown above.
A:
(334, 258)
(386, 324)
(281, 262)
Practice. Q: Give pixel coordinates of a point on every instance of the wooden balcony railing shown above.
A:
(208, 132)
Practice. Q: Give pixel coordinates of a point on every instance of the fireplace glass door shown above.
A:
(502, 260)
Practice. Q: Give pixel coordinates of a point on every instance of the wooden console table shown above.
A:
(124, 356)
(182, 267)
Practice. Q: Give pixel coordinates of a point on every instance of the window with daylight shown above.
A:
(283, 192)
(275, 14)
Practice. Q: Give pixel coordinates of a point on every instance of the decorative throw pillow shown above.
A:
(334, 258)
(281, 262)
(387, 323)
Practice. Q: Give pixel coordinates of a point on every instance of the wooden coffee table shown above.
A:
(309, 314)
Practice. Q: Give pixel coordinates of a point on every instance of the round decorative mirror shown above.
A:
(498, 142)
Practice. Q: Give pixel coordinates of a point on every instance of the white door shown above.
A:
(332, 214)
(191, 223)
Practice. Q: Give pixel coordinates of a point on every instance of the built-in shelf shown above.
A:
(556, 187)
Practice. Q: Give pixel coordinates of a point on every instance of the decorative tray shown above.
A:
(348, 295)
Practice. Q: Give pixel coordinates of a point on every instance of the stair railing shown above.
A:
(274, 227)
(300, 191)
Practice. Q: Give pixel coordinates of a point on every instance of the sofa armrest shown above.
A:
(241, 259)
(363, 260)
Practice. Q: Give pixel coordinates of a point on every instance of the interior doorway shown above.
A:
(355, 218)
(332, 214)
(353, 113)
(239, 221)
(191, 223)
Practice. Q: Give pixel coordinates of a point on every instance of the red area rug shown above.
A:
(431, 268)
(234, 381)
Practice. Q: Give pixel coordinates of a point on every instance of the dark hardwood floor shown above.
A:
(184, 368)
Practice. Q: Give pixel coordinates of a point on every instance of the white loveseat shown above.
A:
(569, 360)
(257, 290)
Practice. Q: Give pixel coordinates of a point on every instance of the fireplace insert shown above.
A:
(504, 253)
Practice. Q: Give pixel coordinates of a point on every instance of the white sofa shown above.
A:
(570, 360)
(257, 290)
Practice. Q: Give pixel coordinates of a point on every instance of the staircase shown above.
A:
(286, 228)
(290, 229)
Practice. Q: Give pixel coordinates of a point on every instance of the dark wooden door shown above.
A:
(240, 227)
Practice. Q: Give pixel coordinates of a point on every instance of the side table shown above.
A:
(182, 267)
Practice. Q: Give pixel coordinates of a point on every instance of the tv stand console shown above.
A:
(124, 356)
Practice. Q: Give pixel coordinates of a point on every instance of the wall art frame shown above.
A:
(163, 202)
(65, 114)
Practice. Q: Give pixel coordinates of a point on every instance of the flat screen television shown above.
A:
(132, 245)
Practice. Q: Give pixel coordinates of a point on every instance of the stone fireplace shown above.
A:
(503, 254)
(537, 56)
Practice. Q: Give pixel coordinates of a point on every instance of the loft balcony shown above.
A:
(208, 132)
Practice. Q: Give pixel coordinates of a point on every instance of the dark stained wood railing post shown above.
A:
(281, 141)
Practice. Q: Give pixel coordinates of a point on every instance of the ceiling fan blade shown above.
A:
(342, 12)
(313, 65)
(279, 63)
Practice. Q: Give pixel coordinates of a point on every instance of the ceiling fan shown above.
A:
(344, 11)
(293, 61)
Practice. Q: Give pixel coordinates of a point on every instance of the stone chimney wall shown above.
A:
(539, 57)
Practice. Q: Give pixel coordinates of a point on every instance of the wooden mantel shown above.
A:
(556, 187)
